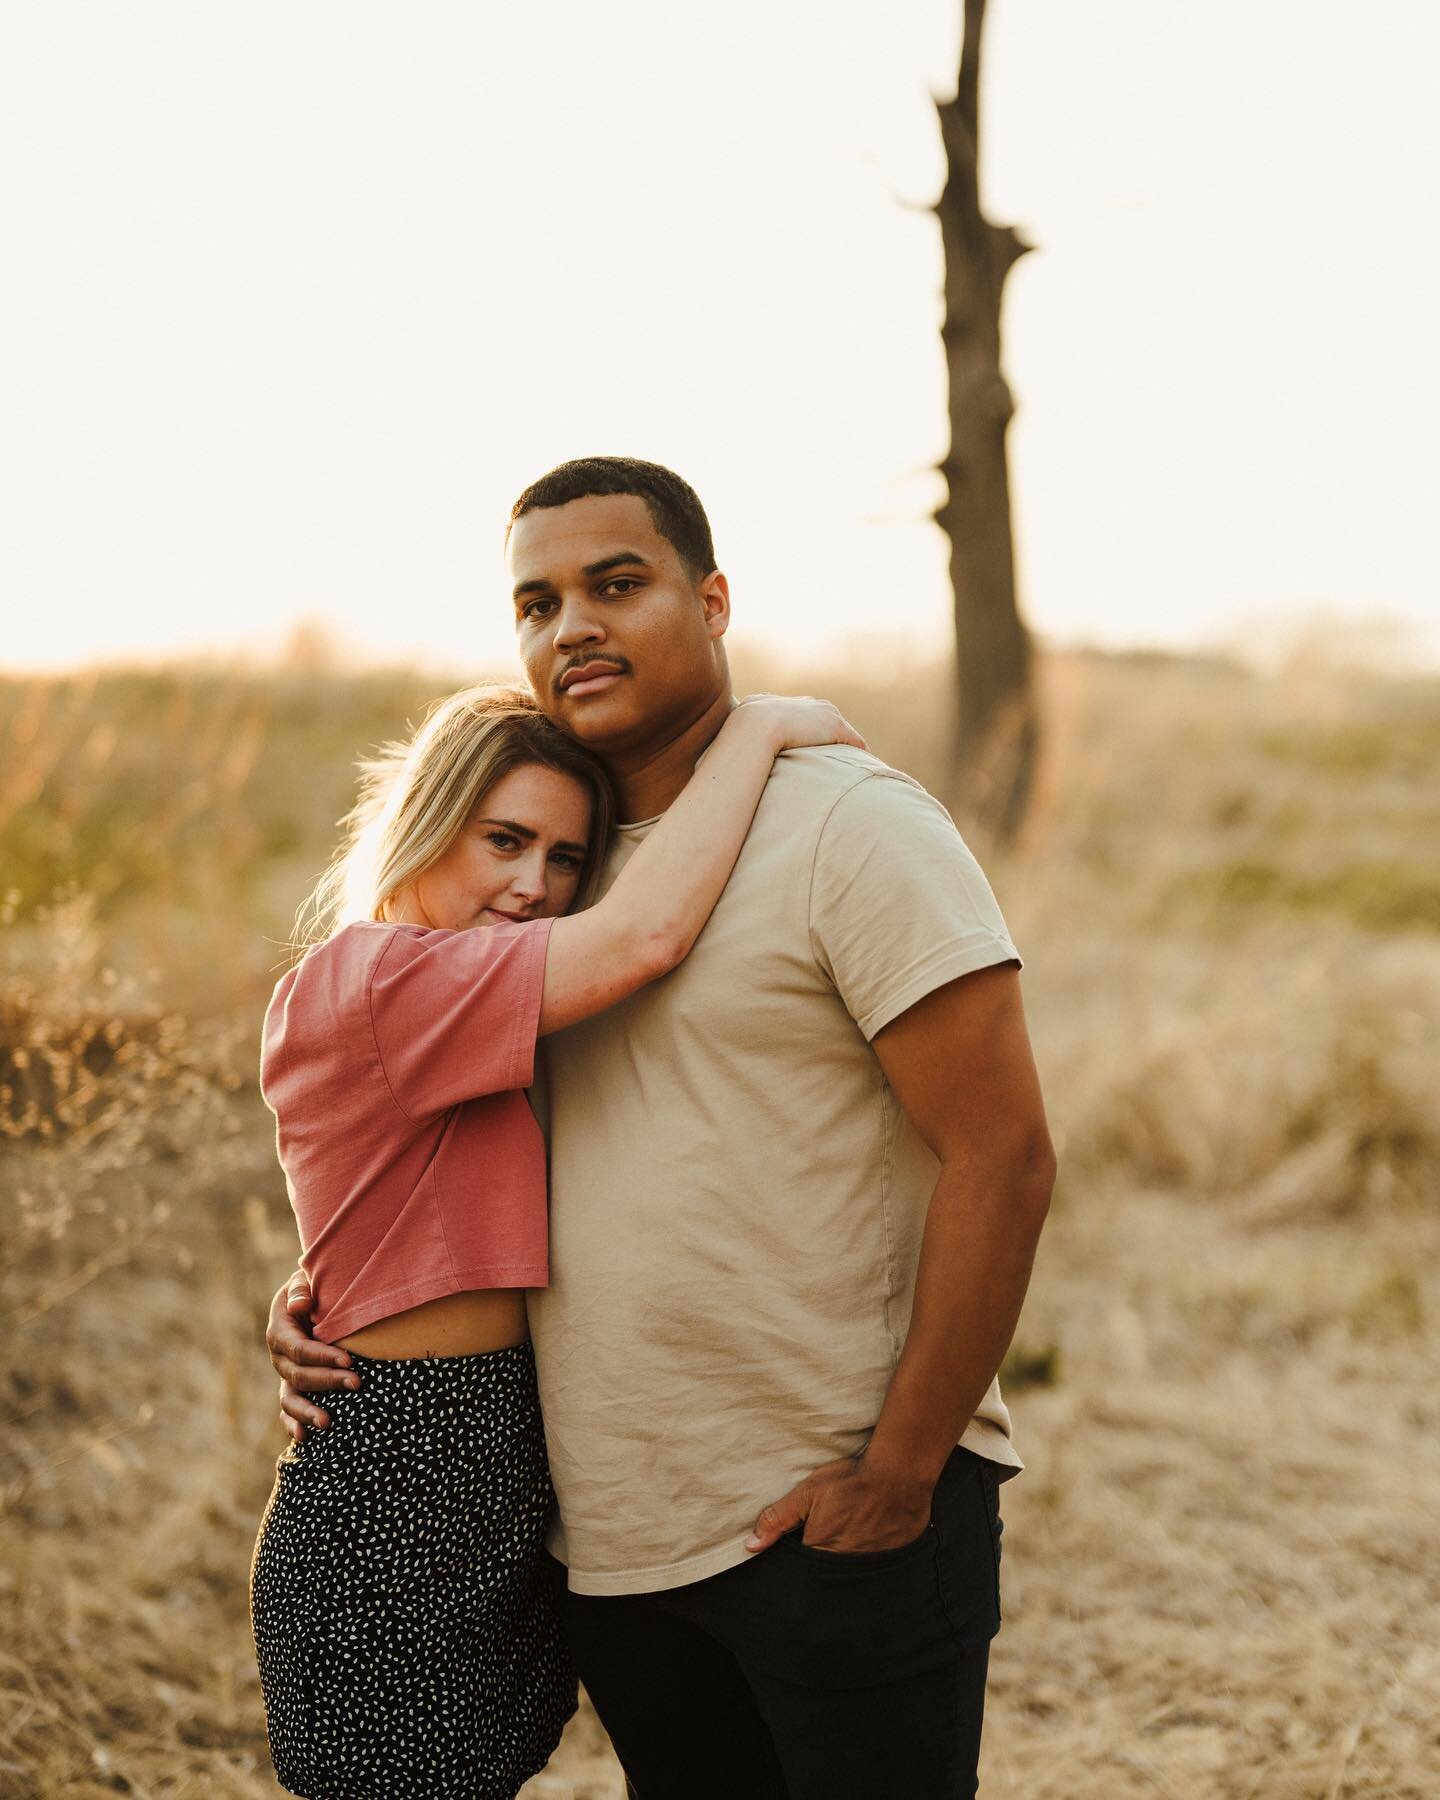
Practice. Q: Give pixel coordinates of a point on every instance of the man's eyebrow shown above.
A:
(607, 563)
(541, 584)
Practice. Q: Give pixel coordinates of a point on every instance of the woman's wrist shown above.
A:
(752, 722)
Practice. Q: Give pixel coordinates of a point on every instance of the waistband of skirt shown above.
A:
(482, 1365)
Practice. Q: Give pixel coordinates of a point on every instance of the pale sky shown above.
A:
(297, 297)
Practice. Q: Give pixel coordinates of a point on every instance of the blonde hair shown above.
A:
(416, 797)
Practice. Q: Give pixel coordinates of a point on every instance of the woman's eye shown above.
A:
(563, 860)
(502, 840)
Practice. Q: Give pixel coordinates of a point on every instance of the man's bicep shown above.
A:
(960, 1064)
(898, 904)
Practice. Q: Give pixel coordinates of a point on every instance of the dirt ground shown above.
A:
(1222, 1565)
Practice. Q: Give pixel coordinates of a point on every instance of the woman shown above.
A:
(404, 1614)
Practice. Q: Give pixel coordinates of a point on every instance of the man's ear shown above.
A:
(714, 593)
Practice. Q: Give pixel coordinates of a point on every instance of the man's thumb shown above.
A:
(779, 1517)
(297, 1294)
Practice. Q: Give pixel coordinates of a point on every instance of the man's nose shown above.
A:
(576, 624)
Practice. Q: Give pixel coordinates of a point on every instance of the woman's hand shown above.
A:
(794, 721)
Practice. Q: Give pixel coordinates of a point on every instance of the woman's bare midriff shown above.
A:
(454, 1325)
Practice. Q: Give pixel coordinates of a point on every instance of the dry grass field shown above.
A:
(1223, 1564)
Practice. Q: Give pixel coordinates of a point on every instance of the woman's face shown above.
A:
(519, 857)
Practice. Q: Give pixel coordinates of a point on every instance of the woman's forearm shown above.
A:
(668, 889)
(662, 897)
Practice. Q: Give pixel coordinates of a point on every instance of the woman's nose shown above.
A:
(529, 882)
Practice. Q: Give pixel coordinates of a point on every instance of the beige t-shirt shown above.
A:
(736, 1197)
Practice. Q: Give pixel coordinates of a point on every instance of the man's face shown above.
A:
(620, 641)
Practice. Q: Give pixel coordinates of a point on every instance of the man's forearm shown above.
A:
(975, 1262)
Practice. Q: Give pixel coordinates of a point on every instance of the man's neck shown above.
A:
(646, 781)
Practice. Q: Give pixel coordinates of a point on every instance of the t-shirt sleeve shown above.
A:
(455, 1013)
(898, 905)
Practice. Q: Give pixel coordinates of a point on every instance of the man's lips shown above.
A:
(590, 678)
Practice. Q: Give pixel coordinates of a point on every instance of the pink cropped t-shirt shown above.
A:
(393, 1059)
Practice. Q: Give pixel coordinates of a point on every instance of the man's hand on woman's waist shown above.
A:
(304, 1365)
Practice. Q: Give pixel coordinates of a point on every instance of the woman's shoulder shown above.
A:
(367, 940)
(316, 1005)
(340, 965)
(363, 943)
(373, 962)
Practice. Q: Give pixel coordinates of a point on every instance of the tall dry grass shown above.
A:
(1222, 1573)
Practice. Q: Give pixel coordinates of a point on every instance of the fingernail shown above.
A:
(352, 1381)
(753, 1542)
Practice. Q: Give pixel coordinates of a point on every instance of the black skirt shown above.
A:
(406, 1617)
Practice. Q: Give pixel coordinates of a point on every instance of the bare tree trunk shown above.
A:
(998, 733)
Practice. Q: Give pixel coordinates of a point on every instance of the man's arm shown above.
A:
(960, 1064)
(303, 1363)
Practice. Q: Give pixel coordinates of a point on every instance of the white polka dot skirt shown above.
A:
(407, 1619)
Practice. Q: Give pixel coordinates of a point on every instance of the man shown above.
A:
(796, 1191)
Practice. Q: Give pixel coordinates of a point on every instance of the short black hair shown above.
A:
(673, 505)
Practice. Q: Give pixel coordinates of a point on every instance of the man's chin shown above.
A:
(597, 719)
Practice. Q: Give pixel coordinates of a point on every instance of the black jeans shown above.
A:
(807, 1674)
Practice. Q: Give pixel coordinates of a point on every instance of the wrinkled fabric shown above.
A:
(393, 1058)
(737, 1199)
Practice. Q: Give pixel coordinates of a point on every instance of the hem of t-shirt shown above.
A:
(527, 1018)
(982, 1437)
(948, 964)
(987, 1439)
(328, 1326)
(728, 1555)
